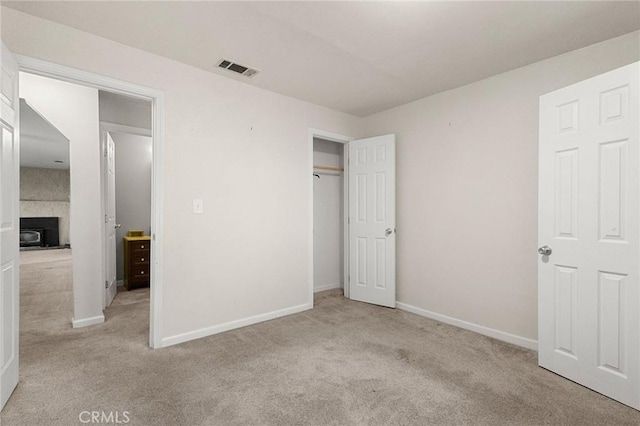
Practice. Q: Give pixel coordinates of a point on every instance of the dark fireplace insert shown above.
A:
(39, 232)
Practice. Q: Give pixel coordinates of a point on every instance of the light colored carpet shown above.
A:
(344, 363)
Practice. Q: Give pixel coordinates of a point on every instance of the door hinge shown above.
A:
(106, 284)
(106, 219)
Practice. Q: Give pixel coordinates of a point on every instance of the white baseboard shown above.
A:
(85, 322)
(491, 332)
(326, 287)
(208, 331)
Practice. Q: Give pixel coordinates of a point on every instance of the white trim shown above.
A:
(326, 287)
(345, 222)
(333, 137)
(157, 223)
(329, 136)
(122, 128)
(87, 321)
(208, 331)
(103, 211)
(73, 75)
(491, 332)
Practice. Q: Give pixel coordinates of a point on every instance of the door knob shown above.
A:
(545, 250)
(388, 232)
(117, 226)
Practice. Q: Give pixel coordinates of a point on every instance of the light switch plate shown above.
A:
(198, 208)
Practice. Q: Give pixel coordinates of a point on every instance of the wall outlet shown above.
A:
(198, 208)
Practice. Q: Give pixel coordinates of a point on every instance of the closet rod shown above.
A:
(335, 169)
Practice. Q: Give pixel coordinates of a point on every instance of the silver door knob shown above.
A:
(545, 250)
(117, 226)
(388, 232)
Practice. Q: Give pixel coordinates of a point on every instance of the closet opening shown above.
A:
(329, 214)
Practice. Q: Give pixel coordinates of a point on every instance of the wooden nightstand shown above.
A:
(137, 255)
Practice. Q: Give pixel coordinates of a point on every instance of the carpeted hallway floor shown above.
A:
(343, 363)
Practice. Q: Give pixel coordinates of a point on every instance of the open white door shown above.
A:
(372, 220)
(9, 224)
(110, 225)
(589, 220)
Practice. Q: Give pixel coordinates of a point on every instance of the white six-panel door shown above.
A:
(589, 189)
(9, 224)
(372, 220)
(110, 218)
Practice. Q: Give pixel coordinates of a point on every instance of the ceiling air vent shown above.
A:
(237, 68)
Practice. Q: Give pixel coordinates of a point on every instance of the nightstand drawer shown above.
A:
(139, 273)
(140, 258)
(140, 246)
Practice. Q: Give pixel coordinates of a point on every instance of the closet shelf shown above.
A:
(335, 169)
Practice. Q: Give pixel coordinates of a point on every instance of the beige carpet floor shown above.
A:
(343, 363)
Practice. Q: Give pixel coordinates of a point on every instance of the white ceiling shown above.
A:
(356, 57)
(41, 144)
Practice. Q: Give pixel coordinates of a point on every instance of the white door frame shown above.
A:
(107, 126)
(84, 78)
(332, 137)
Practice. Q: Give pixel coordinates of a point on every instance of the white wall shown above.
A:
(467, 164)
(133, 188)
(124, 110)
(73, 110)
(242, 150)
(45, 193)
(328, 241)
